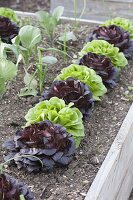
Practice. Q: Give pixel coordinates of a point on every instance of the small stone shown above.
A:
(94, 160)
(30, 106)
(83, 194)
(126, 92)
(74, 56)
(71, 185)
(81, 152)
(114, 118)
(64, 176)
(85, 182)
(121, 88)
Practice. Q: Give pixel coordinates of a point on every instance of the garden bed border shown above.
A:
(114, 180)
(21, 13)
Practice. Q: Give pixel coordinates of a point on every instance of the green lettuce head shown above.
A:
(102, 47)
(9, 13)
(56, 111)
(124, 23)
(85, 75)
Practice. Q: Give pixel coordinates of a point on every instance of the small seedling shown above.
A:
(49, 21)
(30, 88)
(41, 66)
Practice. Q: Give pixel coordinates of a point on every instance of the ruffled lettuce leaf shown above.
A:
(124, 23)
(102, 47)
(56, 111)
(9, 13)
(85, 75)
(8, 70)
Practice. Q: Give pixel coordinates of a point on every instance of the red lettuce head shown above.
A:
(103, 67)
(72, 90)
(41, 146)
(8, 29)
(11, 189)
(112, 34)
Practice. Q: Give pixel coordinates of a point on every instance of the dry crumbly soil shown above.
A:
(70, 183)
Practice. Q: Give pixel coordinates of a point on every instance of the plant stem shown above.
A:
(83, 10)
(65, 51)
(40, 71)
(75, 11)
(31, 79)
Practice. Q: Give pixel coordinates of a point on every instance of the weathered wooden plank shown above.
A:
(96, 9)
(84, 21)
(114, 180)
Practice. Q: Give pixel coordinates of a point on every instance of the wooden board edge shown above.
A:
(29, 14)
(114, 172)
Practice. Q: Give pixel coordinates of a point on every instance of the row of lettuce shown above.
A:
(54, 127)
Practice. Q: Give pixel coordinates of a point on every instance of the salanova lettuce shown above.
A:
(9, 13)
(102, 47)
(56, 111)
(85, 75)
(124, 23)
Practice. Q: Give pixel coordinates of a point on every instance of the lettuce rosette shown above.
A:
(122, 22)
(56, 111)
(85, 75)
(102, 47)
(9, 13)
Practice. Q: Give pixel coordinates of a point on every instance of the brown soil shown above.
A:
(26, 5)
(70, 183)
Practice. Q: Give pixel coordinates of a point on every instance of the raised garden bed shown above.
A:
(107, 116)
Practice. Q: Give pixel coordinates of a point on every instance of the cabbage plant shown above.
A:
(8, 70)
(49, 21)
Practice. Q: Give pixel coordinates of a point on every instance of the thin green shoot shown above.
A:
(83, 10)
(64, 45)
(41, 71)
(68, 47)
(30, 81)
(75, 11)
